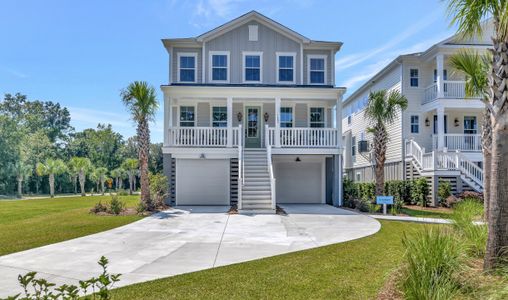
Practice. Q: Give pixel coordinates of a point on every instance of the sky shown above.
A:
(81, 53)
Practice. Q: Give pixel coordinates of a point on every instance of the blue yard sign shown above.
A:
(384, 199)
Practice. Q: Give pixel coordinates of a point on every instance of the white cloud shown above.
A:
(14, 73)
(366, 73)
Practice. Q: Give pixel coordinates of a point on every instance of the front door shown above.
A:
(252, 127)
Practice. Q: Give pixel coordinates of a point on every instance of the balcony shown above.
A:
(451, 90)
(304, 137)
(462, 142)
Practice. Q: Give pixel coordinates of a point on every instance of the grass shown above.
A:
(352, 270)
(26, 224)
(425, 213)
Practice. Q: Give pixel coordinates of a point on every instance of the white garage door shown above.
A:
(202, 182)
(299, 182)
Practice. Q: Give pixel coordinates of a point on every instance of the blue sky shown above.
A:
(81, 53)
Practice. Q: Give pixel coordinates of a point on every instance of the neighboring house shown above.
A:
(252, 117)
(438, 136)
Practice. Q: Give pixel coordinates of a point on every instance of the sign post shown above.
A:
(384, 200)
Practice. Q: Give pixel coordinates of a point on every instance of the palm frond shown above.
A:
(141, 100)
(468, 15)
(383, 106)
(475, 66)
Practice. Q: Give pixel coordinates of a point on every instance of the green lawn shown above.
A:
(26, 224)
(351, 270)
(425, 213)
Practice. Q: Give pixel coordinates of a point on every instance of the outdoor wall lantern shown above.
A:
(266, 115)
(427, 122)
(298, 159)
(456, 121)
(239, 116)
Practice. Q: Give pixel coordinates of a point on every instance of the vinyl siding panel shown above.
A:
(237, 108)
(270, 109)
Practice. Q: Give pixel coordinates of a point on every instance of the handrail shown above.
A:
(270, 165)
(469, 169)
(240, 166)
(203, 136)
(304, 137)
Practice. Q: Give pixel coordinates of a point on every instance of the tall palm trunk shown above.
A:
(497, 243)
(20, 186)
(380, 140)
(52, 185)
(144, 146)
(82, 182)
(487, 159)
(130, 182)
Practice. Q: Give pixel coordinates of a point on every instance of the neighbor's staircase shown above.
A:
(257, 188)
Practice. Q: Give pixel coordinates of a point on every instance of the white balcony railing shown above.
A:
(451, 90)
(430, 93)
(462, 142)
(203, 136)
(305, 137)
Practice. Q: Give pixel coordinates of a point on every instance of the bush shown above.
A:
(399, 189)
(420, 191)
(366, 191)
(468, 222)
(432, 256)
(122, 192)
(159, 189)
(141, 207)
(471, 195)
(451, 201)
(362, 205)
(349, 193)
(374, 208)
(444, 190)
(98, 208)
(115, 205)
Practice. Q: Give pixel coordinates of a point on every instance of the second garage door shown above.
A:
(299, 182)
(202, 182)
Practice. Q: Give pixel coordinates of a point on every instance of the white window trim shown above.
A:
(419, 77)
(195, 114)
(187, 54)
(210, 63)
(419, 123)
(311, 56)
(324, 112)
(293, 54)
(211, 114)
(247, 53)
(292, 106)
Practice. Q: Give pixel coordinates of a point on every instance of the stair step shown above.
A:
(257, 175)
(260, 187)
(257, 181)
(255, 197)
(248, 193)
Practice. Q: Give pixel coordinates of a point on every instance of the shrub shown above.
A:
(451, 201)
(141, 207)
(122, 192)
(349, 193)
(100, 287)
(433, 256)
(367, 191)
(399, 189)
(420, 191)
(115, 205)
(159, 189)
(362, 205)
(471, 195)
(98, 208)
(467, 220)
(373, 208)
(444, 190)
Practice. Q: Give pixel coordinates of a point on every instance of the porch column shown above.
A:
(277, 122)
(168, 118)
(439, 79)
(230, 121)
(338, 121)
(440, 128)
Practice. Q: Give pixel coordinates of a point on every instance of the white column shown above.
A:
(230, 121)
(277, 122)
(338, 120)
(440, 129)
(439, 81)
(168, 119)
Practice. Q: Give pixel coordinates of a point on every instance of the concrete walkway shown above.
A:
(185, 240)
(411, 219)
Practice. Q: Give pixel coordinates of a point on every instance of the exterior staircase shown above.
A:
(257, 188)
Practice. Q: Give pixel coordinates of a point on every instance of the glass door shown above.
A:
(252, 127)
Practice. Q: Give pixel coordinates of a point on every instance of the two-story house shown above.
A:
(252, 117)
(438, 136)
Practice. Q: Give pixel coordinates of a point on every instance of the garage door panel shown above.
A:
(202, 182)
(299, 182)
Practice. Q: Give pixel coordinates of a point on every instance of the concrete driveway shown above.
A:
(186, 239)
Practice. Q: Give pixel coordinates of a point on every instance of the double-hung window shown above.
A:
(317, 117)
(353, 147)
(187, 67)
(187, 116)
(252, 63)
(219, 116)
(317, 71)
(415, 124)
(219, 66)
(413, 77)
(286, 117)
(286, 67)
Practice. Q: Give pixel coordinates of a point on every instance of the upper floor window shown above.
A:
(286, 117)
(445, 75)
(219, 116)
(219, 66)
(470, 125)
(286, 67)
(317, 71)
(252, 63)
(317, 117)
(413, 77)
(349, 119)
(187, 67)
(187, 116)
(353, 146)
(415, 124)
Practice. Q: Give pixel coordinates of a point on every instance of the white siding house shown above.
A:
(252, 117)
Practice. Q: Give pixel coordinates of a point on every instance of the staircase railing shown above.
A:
(270, 165)
(240, 166)
(469, 169)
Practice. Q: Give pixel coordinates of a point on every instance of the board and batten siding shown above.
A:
(174, 63)
(269, 42)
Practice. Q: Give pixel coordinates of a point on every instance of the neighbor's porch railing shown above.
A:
(304, 137)
(203, 136)
(462, 142)
(451, 89)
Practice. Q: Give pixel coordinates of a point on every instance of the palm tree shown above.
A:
(476, 67)
(381, 110)
(94, 177)
(101, 177)
(73, 172)
(51, 168)
(23, 172)
(130, 165)
(116, 173)
(469, 16)
(83, 166)
(141, 101)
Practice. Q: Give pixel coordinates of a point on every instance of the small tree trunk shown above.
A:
(82, 182)
(20, 187)
(102, 185)
(380, 140)
(120, 181)
(52, 185)
(487, 159)
(130, 183)
(74, 180)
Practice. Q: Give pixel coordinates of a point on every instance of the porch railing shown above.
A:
(304, 137)
(430, 93)
(203, 136)
(451, 89)
(462, 142)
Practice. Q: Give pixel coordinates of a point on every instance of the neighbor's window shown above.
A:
(415, 124)
(353, 146)
(470, 125)
(317, 70)
(413, 77)
(187, 116)
(219, 67)
(445, 75)
(286, 68)
(187, 68)
(317, 117)
(252, 68)
(349, 119)
(286, 117)
(219, 116)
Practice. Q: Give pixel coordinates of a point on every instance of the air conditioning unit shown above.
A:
(363, 146)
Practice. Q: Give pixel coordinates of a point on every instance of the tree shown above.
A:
(476, 67)
(36, 147)
(82, 165)
(155, 163)
(73, 171)
(23, 172)
(381, 110)
(141, 101)
(51, 168)
(115, 174)
(9, 153)
(131, 165)
(101, 177)
(469, 16)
